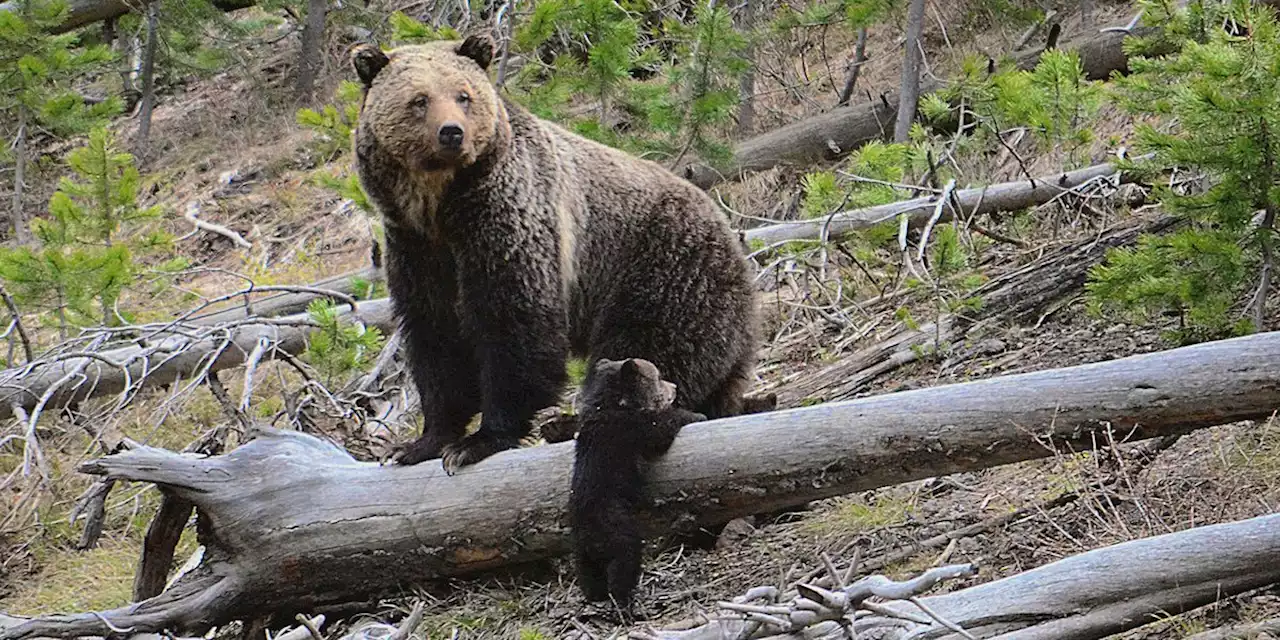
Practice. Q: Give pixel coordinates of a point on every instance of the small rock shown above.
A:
(737, 530)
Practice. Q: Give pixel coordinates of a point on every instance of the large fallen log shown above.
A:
(1084, 597)
(181, 353)
(841, 130)
(1007, 196)
(291, 523)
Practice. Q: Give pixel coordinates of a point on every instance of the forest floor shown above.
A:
(232, 146)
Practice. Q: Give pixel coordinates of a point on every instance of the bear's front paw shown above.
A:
(427, 447)
(473, 449)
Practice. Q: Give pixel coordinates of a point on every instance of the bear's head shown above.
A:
(430, 106)
(633, 384)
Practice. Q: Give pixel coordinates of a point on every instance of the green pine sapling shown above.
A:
(1218, 94)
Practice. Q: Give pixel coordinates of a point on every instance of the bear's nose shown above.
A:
(451, 136)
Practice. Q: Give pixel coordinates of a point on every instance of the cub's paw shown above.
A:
(559, 429)
(473, 449)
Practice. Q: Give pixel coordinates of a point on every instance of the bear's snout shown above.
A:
(451, 136)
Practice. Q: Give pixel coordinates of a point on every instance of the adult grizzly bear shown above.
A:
(512, 243)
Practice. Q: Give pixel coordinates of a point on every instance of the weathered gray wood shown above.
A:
(1084, 597)
(1007, 196)
(165, 360)
(292, 523)
(278, 304)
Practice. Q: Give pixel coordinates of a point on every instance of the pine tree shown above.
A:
(88, 242)
(36, 86)
(1218, 93)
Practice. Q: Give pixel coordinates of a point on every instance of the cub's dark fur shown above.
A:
(626, 418)
(512, 242)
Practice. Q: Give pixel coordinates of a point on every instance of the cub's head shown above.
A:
(430, 106)
(633, 385)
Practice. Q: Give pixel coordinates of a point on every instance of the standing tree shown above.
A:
(911, 63)
(1218, 92)
(148, 81)
(35, 87)
(311, 50)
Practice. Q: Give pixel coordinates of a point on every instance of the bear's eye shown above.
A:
(420, 102)
(464, 99)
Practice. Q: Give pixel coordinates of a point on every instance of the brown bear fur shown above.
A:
(626, 419)
(521, 243)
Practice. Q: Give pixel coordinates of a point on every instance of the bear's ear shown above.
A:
(368, 61)
(631, 370)
(478, 48)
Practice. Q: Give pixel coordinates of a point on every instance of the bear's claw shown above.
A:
(473, 449)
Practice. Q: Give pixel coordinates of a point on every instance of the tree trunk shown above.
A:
(855, 67)
(309, 53)
(21, 230)
(829, 135)
(1089, 596)
(166, 358)
(747, 83)
(291, 523)
(1006, 196)
(911, 60)
(148, 83)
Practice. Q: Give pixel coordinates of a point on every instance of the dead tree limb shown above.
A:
(1006, 196)
(1084, 597)
(177, 355)
(1019, 296)
(291, 523)
(278, 304)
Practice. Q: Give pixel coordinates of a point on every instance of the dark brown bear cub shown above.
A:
(626, 419)
(512, 243)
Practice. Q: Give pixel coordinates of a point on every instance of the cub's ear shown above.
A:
(368, 60)
(478, 48)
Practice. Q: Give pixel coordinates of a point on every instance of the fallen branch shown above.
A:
(286, 300)
(1007, 196)
(1016, 297)
(292, 523)
(180, 354)
(1085, 597)
(194, 208)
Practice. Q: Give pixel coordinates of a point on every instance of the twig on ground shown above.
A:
(193, 209)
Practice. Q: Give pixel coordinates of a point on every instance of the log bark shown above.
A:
(1084, 597)
(841, 130)
(164, 360)
(292, 523)
(1007, 196)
